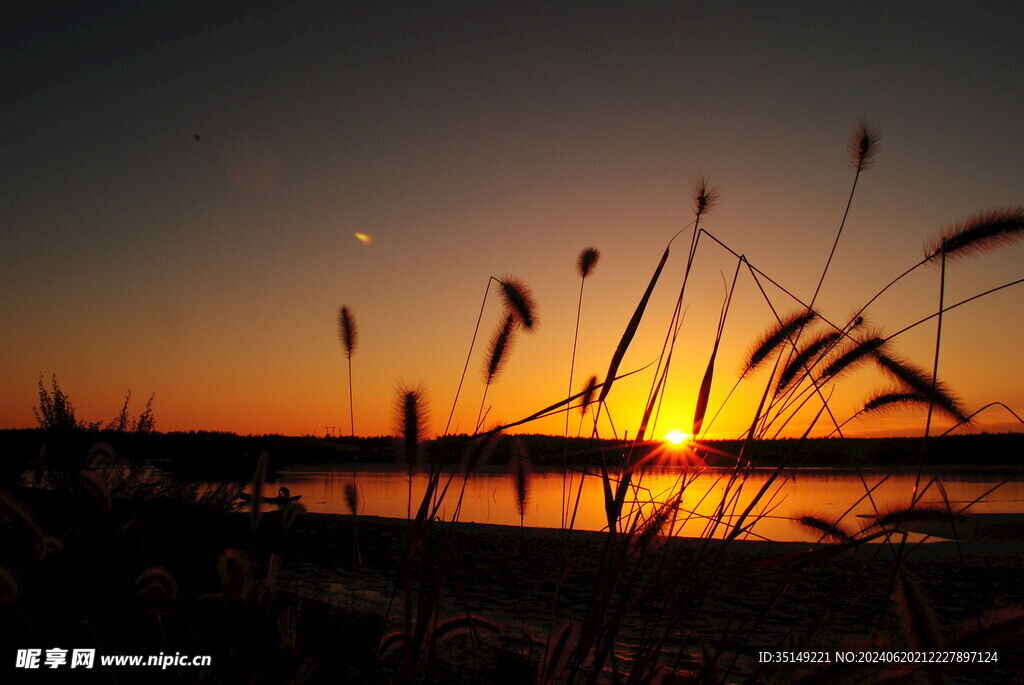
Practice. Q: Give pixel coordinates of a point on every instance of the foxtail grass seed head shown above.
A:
(461, 625)
(12, 508)
(236, 575)
(47, 546)
(855, 353)
(652, 527)
(589, 390)
(919, 381)
(803, 358)
(587, 260)
(101, 453)
(157, 585)
(863, 145)
(918, 623)
(97, 488)
(500, 348)
(831, 531)
(519, 301)
(556, 647)
(348, 334)
(704, 196)
(977, 234)
(889, 400)
(411, 417)
(775, 336)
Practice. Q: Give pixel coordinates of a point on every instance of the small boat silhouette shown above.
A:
(284, 496)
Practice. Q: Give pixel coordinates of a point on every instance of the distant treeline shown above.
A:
(216, 455)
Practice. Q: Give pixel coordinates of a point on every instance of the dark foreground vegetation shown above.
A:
(288, 597)
(165, 571)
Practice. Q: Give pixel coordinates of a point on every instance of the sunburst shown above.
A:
(677, 437)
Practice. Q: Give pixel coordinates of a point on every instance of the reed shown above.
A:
(704, 195)
(469, 355)
(553, 659)
(410, 423)
(863, 145)
(917, 381)
(614, 505)
(236, 575)
(774, 337)
(348, 335)
(704, 198)
(916, 618)
(480, 450)
(500, 349)
(863, 148)
(497, 356)
(855, 353)
(977, 234)
(586, 397)
(585, 263)
(704, 392)
(519, 302)
(410, 420)
(893, 399)
(804, 357)
(653, 527)
(830, 530)
(630, 332)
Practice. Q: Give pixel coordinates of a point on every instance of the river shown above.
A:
(825, 493)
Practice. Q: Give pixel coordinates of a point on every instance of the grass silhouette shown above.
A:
(625, 605)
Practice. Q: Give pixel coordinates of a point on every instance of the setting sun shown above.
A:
(677, 437)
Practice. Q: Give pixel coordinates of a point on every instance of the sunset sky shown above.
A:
(183, 185)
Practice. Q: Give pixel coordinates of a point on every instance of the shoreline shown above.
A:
(934, 549)
(532, 580)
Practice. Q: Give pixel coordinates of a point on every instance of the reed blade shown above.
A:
(631, 328)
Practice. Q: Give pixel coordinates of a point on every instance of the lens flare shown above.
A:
(677, 437)
(364, 238)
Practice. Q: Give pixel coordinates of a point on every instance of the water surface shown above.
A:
(827, 493)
